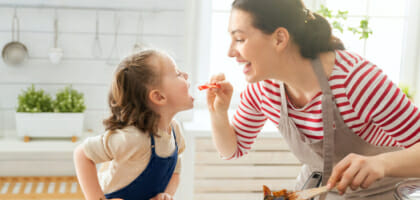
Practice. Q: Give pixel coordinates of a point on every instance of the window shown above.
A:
(219, 45)
(387, 19)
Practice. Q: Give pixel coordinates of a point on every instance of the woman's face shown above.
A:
(254, 50)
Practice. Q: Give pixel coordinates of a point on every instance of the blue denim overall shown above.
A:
(153, 180)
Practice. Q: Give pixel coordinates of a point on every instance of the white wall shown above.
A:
(164, 28)
(168, 25)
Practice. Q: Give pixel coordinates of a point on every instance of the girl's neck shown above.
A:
(165, 122)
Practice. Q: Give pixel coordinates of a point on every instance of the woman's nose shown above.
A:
(185, 76)
(232, 52)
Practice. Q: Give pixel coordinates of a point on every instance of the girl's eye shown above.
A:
(239, 40)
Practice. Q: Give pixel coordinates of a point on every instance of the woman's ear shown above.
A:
(157, 97)
(281, 38)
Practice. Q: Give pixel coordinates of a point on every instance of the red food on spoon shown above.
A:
(208, 86)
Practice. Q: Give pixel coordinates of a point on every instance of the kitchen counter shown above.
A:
(36, 157)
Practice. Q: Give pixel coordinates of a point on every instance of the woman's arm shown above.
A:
(381, 102)
(356, 171)
(218, 101)
(87, 175)
(404, 163)
(224, 136)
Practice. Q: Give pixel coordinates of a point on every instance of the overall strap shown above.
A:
(173, 132)
(152, 143)
(328, 105)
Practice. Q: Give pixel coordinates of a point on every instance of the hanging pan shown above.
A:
(14, 53)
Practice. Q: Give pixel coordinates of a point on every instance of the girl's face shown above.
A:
(253, 49)
(175, 85)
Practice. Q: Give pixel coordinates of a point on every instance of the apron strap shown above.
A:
(328, 105)
(284, 110)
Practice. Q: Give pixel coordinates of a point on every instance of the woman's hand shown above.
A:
(218, 99)
(356, 171)
(162, 196)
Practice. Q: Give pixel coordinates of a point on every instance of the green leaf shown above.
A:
(67, 101)
(32, 100)
(338, 22)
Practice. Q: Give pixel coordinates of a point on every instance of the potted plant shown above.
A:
(38, 115)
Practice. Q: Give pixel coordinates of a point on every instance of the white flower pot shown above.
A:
(55, 125)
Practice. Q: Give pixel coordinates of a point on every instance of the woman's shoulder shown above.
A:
(347, 61)
(263, 87)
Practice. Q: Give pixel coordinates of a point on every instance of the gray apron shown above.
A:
(338, 142)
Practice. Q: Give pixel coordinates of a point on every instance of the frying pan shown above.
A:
(14, 53)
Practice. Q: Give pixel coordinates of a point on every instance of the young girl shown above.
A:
(142, 143)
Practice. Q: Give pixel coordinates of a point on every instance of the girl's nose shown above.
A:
(185, 75)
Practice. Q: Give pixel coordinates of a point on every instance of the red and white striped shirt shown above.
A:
(370, 104)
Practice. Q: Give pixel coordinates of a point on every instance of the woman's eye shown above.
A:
(239, 40)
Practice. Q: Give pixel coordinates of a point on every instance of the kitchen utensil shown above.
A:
(96, 47)
(113, 56)
(56, 54)
(308, 193)
(138, 46)
(408, 190)
(14, 53)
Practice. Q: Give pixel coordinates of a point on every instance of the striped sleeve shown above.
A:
(376, 99)
(248, 119)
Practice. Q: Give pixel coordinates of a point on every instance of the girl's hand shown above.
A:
(162, 196)
(356, 171)
(218, 99)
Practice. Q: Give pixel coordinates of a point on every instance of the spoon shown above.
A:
(308, 193)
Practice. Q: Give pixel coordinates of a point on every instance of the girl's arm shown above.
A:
(173, 184)
(87, 175)
(170, 189)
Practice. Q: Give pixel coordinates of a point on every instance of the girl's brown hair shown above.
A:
(128, 98)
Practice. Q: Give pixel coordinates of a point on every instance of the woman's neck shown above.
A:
(300, 80)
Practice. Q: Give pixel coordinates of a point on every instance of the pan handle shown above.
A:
(15, 20)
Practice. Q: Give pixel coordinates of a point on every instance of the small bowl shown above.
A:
(408, 190)
(55, 55)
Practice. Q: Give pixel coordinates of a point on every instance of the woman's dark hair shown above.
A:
(310, 31)
(128, 98)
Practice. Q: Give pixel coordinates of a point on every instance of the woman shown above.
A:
(339, 113)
